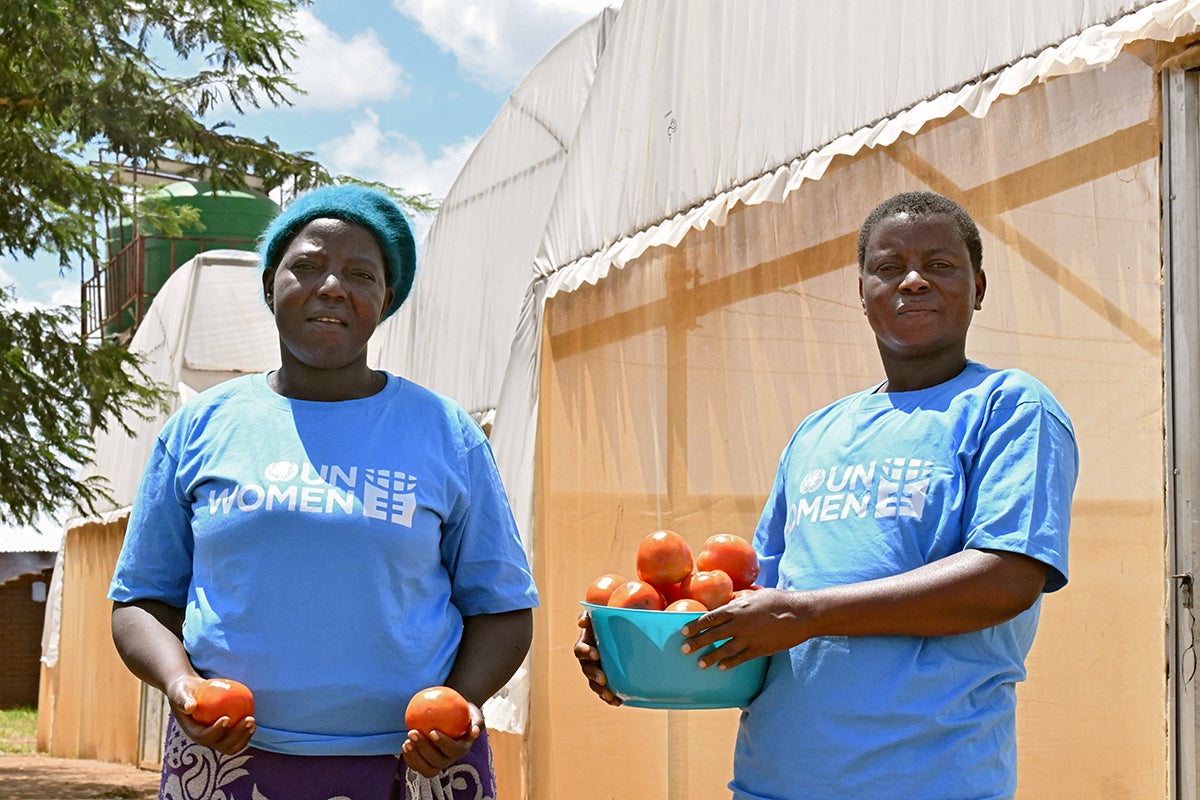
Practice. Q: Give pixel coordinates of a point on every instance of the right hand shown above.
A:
(221, 736)
(588, 653)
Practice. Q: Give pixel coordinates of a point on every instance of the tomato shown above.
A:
(711, 587)
(439, 708)
(687, 604)
(663, 558)
(731, 554)
(636, 594)
(747, 591)
(602, 588)
(671, 592)
(221, 697)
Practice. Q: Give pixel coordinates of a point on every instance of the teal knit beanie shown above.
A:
(370, 208)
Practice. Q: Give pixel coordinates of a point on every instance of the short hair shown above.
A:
(923, 204)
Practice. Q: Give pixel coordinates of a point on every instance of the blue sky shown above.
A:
(395, 90)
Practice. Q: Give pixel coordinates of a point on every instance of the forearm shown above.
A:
(965, 592)
(149, 638)
(492, 648)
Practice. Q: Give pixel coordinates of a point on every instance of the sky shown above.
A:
(397, 91)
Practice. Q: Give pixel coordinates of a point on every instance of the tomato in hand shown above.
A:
(731, 554)
(636, 594)
(439, 708)
(602, 588)
(663, 558)
(711, 587)
(221, 697)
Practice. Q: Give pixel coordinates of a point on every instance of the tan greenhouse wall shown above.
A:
(670, 387)
(89, 702)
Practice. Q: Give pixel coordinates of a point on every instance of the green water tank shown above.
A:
(232, 219)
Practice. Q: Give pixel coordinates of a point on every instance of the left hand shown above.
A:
(757, 624)
(431, 754)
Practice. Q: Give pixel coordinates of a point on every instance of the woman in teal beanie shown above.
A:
(334, 537)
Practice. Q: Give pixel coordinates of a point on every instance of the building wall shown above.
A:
(22, 612)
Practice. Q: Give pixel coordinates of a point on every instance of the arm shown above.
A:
(964, 592)
(492, 648)
(149, 638)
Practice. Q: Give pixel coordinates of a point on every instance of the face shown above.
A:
(328, 293)
(918, 288)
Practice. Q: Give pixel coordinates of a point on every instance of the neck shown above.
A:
(300, 382)
(916, 374)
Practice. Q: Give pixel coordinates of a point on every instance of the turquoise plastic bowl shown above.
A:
(639, 653)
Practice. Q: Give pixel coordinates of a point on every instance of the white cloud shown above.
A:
(497, 41)
(338, 73)
(371, 153)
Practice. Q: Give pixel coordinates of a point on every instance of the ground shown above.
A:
(40, 777)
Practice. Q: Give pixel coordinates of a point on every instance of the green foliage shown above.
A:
(55, 391)
(77, 74)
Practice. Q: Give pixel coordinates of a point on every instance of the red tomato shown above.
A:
(602, 588)
(439, 708)
(671, 592)
(711, 587)
(663, 558)
(748, 590)
(636, 594)
(686, 604)
(731, 554)
(221, 697)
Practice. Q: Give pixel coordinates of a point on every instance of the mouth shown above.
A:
(322, 319)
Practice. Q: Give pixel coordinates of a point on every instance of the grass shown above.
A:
(18, 731)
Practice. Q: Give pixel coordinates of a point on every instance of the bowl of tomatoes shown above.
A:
(641, 657)
(637, 623)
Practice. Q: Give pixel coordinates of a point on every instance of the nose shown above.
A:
(331, 285)
(914, 281)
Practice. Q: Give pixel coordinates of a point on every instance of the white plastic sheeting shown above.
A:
(454, 333)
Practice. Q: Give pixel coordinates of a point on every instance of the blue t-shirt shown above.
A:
(325, 553)
(879, 484)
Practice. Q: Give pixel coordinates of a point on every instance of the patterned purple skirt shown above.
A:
(193, 772)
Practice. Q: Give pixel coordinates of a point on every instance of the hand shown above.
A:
(588, 654)
(757, 624)
(431, 754)
(222, 735)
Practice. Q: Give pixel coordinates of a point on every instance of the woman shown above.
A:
(898, 626)
(332, 536)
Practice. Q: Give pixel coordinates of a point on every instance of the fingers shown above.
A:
(221, 735)
(235, 738)
(431, 754)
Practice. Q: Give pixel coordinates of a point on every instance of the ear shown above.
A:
(862, 298)
(980, 289)
(388, 297)
(268, 282)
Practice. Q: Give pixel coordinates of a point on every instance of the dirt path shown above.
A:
(40, 777)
